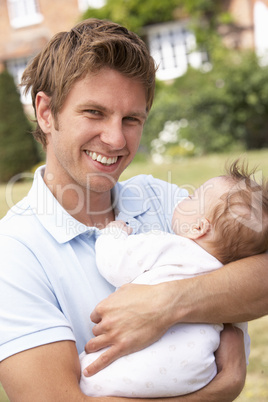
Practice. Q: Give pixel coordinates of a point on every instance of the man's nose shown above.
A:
(113, 134)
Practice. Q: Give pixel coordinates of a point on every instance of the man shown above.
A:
(92, 89)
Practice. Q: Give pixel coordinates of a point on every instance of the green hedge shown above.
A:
(18, 150)
(226, 108)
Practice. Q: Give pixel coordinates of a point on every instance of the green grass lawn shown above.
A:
(191, 173)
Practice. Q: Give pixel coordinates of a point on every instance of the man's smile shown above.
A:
(104, 160)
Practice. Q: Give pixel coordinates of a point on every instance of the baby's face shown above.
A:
(190, 211)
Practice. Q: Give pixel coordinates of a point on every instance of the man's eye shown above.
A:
(132, 119)
(93, 112)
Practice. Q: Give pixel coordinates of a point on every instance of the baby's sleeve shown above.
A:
(121, 258)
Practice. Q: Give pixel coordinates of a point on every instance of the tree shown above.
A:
(225, 108)
(135, 14)
(205, 15)
(18, 151)
(233, 106)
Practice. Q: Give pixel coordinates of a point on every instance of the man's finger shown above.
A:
(95, 317)
(97, 330)
(103, 361)
(98, 343)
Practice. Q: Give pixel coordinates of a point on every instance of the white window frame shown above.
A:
(173, 47)
(23, 13)
(85, 4)
(16, 68)
(261, 31)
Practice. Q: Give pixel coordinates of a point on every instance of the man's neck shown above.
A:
(88, 207)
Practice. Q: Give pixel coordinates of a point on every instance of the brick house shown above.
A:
(26, 25)
(171, 44)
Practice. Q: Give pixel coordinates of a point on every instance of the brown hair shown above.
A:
(241, 220)
(89, 46)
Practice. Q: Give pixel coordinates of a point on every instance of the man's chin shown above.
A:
(101, 183)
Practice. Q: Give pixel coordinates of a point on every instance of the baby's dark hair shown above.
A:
(240, 219)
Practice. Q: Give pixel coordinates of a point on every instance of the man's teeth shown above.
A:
(102, 159)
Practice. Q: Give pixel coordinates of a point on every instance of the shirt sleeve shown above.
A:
(29, 311)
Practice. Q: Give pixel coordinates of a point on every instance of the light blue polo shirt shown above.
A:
(48, 277)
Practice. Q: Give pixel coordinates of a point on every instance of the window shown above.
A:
(261, 31)
(23, 13)
(16, 67)
(173, 48)
(85, 4)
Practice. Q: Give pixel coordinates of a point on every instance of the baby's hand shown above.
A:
(121, 225)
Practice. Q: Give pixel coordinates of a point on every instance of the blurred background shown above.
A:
(211, 101)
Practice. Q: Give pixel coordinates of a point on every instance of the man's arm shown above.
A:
(52, 372)
(237, 292)
(45, 373)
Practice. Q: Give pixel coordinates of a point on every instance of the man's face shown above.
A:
(98, 131)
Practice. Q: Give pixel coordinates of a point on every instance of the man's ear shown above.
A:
(199, 229)
(43, 112)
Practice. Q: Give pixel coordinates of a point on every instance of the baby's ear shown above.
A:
(199, 229)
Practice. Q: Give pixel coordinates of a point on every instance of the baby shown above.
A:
(224, 220)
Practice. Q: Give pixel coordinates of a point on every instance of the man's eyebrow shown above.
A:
(92, 105)
(142, 115)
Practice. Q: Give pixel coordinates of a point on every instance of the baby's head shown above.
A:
(227, 215)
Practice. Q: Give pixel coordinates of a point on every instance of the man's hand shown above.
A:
(137, 332)
(231, 364)
(127, 321)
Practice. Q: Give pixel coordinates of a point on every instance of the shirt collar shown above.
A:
(129, 204)
(63, 227)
